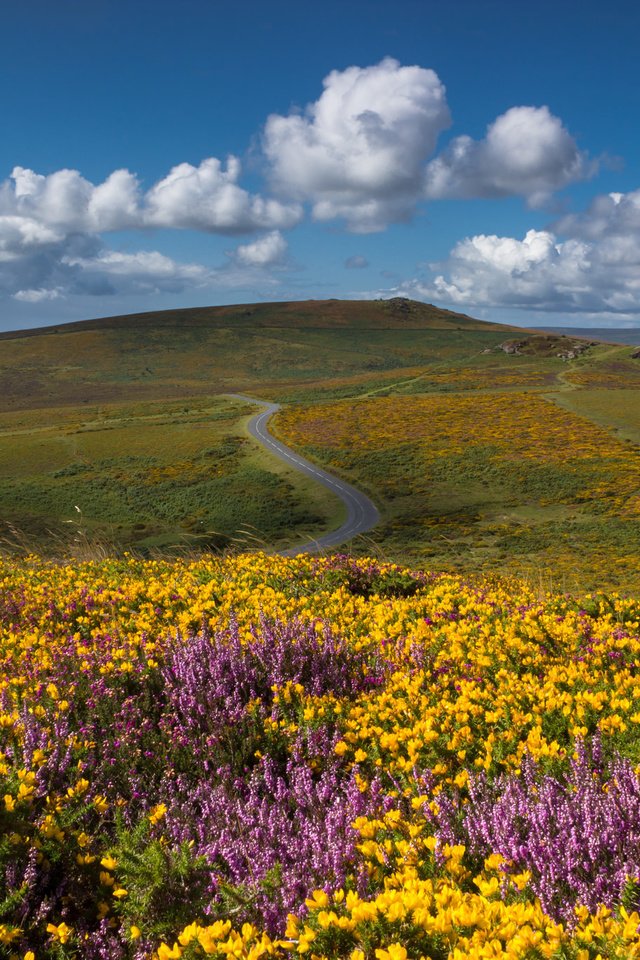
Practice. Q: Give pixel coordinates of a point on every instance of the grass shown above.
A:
(153, 476)
(191, 353)
(617, 410)
(472, 467)
(485, 481)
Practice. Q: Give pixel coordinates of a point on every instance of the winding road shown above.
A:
(362, 513)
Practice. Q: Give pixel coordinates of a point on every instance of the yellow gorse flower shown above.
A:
(466, 689)
(60, 933)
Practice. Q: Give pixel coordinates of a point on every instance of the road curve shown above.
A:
(362, 513)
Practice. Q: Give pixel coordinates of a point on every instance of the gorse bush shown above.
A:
(474, 481)
(324, 756)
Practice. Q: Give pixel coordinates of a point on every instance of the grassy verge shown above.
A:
(615, 409)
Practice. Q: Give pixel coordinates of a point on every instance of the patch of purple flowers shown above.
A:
(578, 835)
(211, 678)
(287, 821)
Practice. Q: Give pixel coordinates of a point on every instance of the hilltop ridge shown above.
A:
(205, 350)
(289, 313)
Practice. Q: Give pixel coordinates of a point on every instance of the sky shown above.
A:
(481, 155)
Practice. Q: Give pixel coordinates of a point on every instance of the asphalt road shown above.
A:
(362, 513)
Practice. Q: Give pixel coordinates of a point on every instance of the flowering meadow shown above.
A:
(477, 482)
(324, 757)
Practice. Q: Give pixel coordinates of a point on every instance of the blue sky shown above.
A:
(483, 156)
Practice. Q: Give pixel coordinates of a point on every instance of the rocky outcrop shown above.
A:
(551, 345)
(512, 346)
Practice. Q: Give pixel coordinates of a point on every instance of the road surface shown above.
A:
(362, 513)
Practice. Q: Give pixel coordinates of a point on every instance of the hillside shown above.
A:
(485, 447)
(204, 351)
(398, 311)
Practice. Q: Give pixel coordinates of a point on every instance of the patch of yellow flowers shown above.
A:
(479, 673)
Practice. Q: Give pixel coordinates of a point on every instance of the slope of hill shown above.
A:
(203, 351)
(451, 425)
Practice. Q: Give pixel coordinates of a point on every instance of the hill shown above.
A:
(397, 311)
(203, 351)
(485, 447)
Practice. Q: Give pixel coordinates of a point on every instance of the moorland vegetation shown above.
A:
(314, 757)
(479, 458)
(399, 752)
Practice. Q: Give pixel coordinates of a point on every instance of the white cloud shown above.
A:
(208, 198)
(142, 271)
(19, 235)
(37, 263)
(527, 151)
(115, 203)
(266, 251)
(539, 272)
(64, 200)
(359, 151)
(611, 214)
(37, 296)
(51, 229)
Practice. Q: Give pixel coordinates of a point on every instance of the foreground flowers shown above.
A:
(267, 756)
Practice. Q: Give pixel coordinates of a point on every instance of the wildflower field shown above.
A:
(323, 757)
(490, 481)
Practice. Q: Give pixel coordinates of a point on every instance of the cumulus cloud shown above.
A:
(527, 151)
(66, 202)
(266, 251)
(37, 296)
(356, 262)
(609, 215)
(542, 271)
(363, 153)
(359, 151)
(51, 229)
(67, 271)
(536, 271)
(143, 272)
(19, 235)
(39, 262)
(208, 198)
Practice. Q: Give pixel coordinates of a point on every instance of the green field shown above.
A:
(119, 431)
(150, 475)
(123, 418)
(618, 410)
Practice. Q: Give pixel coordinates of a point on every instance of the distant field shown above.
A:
(480, 459)
(617, 410)
(506, 482)
(275, 348)
(150, 475)
(119, 417)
